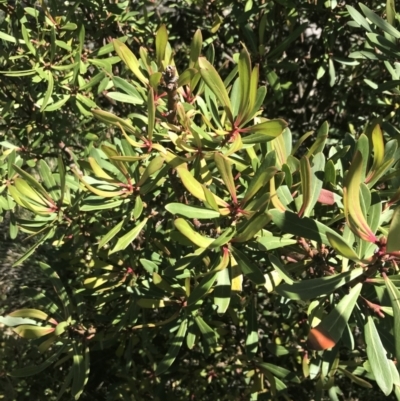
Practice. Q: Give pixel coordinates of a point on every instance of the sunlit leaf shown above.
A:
(394, 295)
(161, 44)
(31, 332)
(377, 357)
(326, 334)
(214, 82)
(129, 59)
(351, 200)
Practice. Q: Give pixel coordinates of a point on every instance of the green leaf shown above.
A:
(294, 34)
(129, 237)
(309, 289)
(251, 329)
(224, 238)
(123, 98)
(154, 166)
(7, 37)
(32, 370)
(379, 151)
(225, 172)
(222, 291)
(250, 228)
(207, 332)
(195, 48)
(32, 313)
(49, 91)
(269, 242)
(111, 234)
(196, 189)
(173, 350)
(358, 18)
(33, 182)
(379, 22)
(330, 330)
(263, 132)
(391, 12)
(214, 82)
(351, 200)
(151, 303)
(244, 68)
(80, 369)
(280, 372)
(278, 265)
(15, 321)
(27, 40)
(290, 222)
(128, 88)
(161, 44)
(305, 178)
(192, 212)
(32, 332)
(317, 174)
(342, 248)
(58, 287)
(260, 179)
(393, 239)
(201, 289)
(184, 228)
(47, 234)
(394, 295)
(48, 179)
(130, 60)
(377, 357)
(247, 267)
(151, 110)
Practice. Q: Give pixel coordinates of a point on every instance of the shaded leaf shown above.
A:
(314, 288)
(173, 350)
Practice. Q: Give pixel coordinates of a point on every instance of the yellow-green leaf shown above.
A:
(151, 110)
(130, 236)
(31, 332)
(244, 67)
(161, 44)
(351, 201)
(379, 151)
(215, 83)
(394, 295)
(195, 48)
(393, 239)
(129, 59)
(32, 313)
(184, 228)
(225, 171)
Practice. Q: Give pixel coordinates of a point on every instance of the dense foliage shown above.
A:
(209, 191)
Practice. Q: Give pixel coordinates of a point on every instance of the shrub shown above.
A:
(197, 246)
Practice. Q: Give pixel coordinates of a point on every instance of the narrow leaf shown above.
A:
(309, 289)
(330, 330)
(248, 267)
(161, 44)
(124, 241)
(214, 82)
(394, 295)
(173, 350)
(129, 59)
(377, 357)
(225, 171)
(393, 239)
